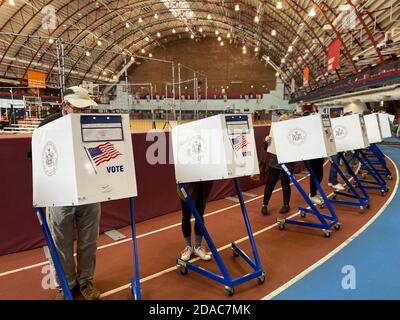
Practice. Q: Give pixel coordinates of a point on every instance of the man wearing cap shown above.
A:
(62, 220)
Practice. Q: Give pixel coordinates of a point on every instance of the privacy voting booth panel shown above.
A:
(215, 148)
(350, 133)
(373, 128)
(81, 159)
(384, 123)
(302, 138)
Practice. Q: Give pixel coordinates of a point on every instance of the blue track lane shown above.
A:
(375, 255)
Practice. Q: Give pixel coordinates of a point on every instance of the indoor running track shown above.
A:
(284, 254)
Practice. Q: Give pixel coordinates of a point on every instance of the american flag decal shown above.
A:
(239, 142)
(103, 153)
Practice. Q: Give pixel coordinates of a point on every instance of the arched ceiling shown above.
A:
(96, 33)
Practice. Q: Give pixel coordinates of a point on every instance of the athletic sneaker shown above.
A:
(201, 253)
(89, 291)
(316, 200)
(338, 187)
(187, 253)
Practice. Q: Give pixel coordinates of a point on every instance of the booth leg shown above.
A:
(322, 192)
(247, 223)
(358, 184)
(361, 202)
(53, 252)
(323, 219)
(135, 281)
(381, 159)
(380, 183)
(227, 278)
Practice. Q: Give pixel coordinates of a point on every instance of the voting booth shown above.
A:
(218, 147)
(81, 159)
(350, 133)
(373, 159)
(384, 123)
(302, 138)
(215, 148)
(373, 128)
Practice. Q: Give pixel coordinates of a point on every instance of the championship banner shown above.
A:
(36, 79)
(306, 76)
(334, 55)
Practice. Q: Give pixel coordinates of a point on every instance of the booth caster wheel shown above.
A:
(383, 193)
(338, 226)
(229, 291)
(327, 233)
(303, 214)
(281, 226)
(183, 270)
(261, 279)
(234, 252)
(389, 177)
(362, 209)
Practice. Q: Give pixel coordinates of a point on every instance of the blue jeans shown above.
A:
(333, 172)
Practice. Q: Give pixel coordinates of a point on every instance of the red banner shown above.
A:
(306, 76)
(334, 55)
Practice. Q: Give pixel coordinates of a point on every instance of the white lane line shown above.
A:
(339, 248)
(145, 234)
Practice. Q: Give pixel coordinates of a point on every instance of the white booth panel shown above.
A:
(215, 148)
(81, 159)
(350, 133)
(303, 138)
(373, 128)
(384, 123)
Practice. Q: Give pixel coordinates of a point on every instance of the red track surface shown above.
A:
(284, 254)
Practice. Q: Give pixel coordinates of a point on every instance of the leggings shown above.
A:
(187, 214)
(273, 176)
(317, 166)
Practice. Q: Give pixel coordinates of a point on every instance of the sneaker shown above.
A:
(285, 209)
(187, 253)
(264, 210)
(201, 253)
(89, 291)
(338, 187)
(316, 200)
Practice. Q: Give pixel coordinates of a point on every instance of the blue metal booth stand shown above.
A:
(225, 278)
(135, 280)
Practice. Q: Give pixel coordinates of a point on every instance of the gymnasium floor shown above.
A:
(284, 254)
